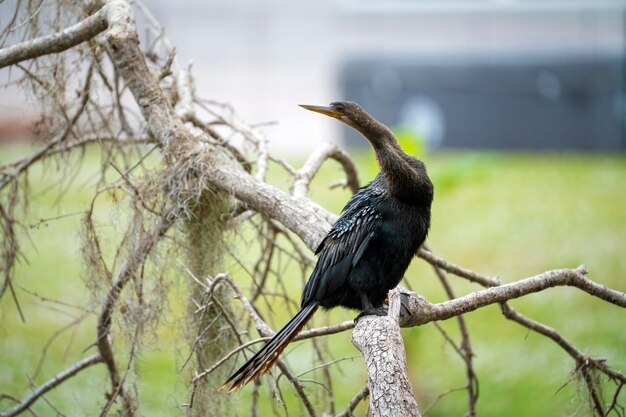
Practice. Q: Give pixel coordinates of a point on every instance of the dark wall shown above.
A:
(540, 103)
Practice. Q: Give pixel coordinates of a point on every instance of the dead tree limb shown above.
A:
(427, 312)
(58, 42)
(465, 348)
(380, 342)
(52, 383)
(303, 177)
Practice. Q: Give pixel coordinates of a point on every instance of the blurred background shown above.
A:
(517, 108)
(503, 74)
(480, 74)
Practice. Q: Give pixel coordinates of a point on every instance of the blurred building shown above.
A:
(536, 74)
(508, 101)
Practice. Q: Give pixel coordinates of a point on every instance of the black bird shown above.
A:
(369, 248)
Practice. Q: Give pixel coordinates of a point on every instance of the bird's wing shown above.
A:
(345, 244)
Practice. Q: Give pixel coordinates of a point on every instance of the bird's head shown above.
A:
(346, 111)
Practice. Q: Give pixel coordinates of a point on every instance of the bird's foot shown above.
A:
(376, 311)
(373, 311)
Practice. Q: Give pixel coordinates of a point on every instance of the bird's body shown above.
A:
(370, 246)
(368, 249)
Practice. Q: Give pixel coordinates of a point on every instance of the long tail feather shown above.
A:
(265, 358)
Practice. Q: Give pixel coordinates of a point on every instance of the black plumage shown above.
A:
(369, 248)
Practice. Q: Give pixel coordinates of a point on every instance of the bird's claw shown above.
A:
(373, 311)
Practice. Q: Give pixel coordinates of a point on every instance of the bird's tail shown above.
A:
(265, 358)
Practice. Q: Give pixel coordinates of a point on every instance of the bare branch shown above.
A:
(581, 359)
(426, 312)
(54, 382)
(262, 327)
(298, 387)
(218, 167)
(58, 42)
(297, 215)
(374, 335)
(314, 163)
(258, 139)
(57, 146)
(361, 395)
(379, 340)
(324, 331)
(465, 350)
(577, 355)
(472, 276)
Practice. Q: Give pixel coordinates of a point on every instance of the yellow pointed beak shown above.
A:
(327, 110)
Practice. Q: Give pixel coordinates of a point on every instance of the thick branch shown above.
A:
(218, 166)
(296, 214)
(426, 312)
(130, 62)
(379, 339)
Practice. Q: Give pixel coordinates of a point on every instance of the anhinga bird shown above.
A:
(369, 248)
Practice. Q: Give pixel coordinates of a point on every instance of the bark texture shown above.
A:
(380, 342)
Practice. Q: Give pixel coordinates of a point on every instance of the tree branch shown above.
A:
(361, 395)
(577, 355)
(459, 271)
(55, 381)
(379, 339)
(465, 349)
(67, 38)
(314, 163)
(214, 161)
(425, 312)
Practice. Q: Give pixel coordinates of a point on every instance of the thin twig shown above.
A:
(298, 387)
(58, 42)
(305, 175)
(459, 271)
(354, 402)
(465, 348)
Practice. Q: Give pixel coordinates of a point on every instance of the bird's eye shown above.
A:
(340, 107)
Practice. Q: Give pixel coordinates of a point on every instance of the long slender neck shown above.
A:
(404, 176)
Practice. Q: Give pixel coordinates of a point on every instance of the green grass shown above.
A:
(511, 215)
